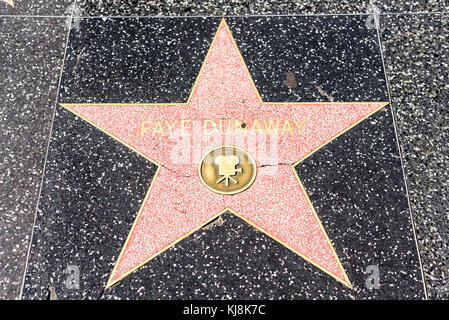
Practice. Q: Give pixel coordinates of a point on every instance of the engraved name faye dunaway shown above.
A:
(186, 127)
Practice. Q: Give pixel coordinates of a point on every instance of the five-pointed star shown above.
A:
(177, 202)
(10, 2)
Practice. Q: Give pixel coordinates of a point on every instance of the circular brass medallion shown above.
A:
(227, 170)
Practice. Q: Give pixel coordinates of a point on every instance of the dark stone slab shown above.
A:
(355, 182)
(37, 7)
(412, 6)
(221, 7)
(366, 214)
(31, 54)
(416, 49)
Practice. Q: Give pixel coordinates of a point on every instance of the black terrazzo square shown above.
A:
(94, 185)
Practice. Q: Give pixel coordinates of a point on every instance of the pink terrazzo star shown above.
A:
(174, 137)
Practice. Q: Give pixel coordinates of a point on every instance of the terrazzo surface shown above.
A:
(31, 51)
(36, 7)
(220, 7)
(31, 54)
(116, 80)
(416, 58)
(94, 185)
(414, 6)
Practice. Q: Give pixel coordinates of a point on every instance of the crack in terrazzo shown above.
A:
(177, 172)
